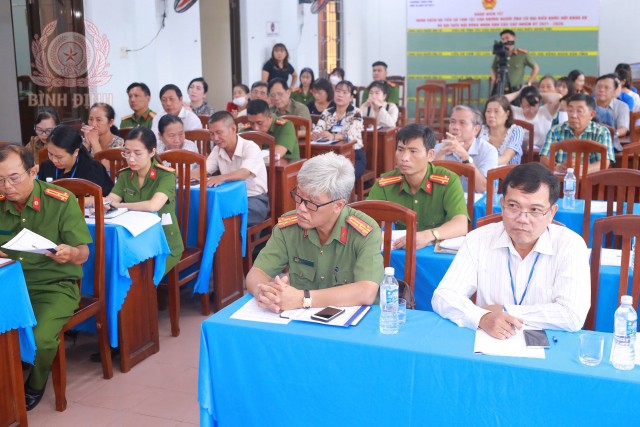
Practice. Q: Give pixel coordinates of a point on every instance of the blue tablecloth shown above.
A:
(254, 373)
(227, 200)
(572, 218)
(15, 309)
(123, 251)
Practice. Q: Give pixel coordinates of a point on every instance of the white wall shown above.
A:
(173, 57)
(9, 108)
(618, 33)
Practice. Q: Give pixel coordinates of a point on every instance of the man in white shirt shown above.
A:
(523, 269)
(171, 100)
(463, 145)
(238, 159)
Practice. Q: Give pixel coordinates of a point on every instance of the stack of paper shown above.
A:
(449, 246)
(135, 221)
(28, 241)
(514, 346)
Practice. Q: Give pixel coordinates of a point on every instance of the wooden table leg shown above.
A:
(138, 334)
(13, 410)
(228, 277)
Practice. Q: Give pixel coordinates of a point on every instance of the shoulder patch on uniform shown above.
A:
(389, 180)
(152, 114)
(61, 195)
(286, 221)
(2, 197)
(127, 117)
(359, 224)
(165, 168)
(281, 121)
(439, 178)
(391, 84)
(520, 50)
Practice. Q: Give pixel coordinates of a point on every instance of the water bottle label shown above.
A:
(570, 185)
(391, 296)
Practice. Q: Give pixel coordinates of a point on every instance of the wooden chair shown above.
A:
(43, 154)
(204, 119)
(202, 138)
(299, 122)
(619, 186)
(115, 159)
(631, 156)
(260, 233)
(358, 96)
(386, 214)
(242, 122)
(606, 230)
(474, 92)
(528, 149)
(181, 161)
(634, 126)
(459, 93)
(315, 118)
(493, 175)
(123, 132)
(431, 106)
(371, 151)
(578, 151)
(467, 171)
(90, 305)
(497, 217)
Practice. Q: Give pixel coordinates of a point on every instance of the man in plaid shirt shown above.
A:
(581, 109)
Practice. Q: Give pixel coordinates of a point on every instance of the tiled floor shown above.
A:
(160, 391)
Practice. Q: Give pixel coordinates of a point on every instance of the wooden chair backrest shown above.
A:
(371, 148)
(124, 132)
(459, 93)
(634, 126)
(115, 159)
(400, 82)
(631, 156)
(578, 151)
(204, 119)
(315, 118)
(385, 214)
(43, 154)
(493, 175)
(467, 171)
(301, 122)
(615, 186)
(202, 139)
(527, 145)
(431, 105)
(621, 228)
(181, 161)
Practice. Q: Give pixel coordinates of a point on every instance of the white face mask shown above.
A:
(240, 101)
(334, 79)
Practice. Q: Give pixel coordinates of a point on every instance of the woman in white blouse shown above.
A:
(377, 106)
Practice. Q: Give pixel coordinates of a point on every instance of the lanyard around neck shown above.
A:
(73, 171)
(513, 288)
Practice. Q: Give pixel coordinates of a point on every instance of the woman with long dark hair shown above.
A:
(278, 65)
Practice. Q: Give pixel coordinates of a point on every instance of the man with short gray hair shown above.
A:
(463, 145)
(331, 249)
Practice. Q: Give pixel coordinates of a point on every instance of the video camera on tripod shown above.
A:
(502, 52)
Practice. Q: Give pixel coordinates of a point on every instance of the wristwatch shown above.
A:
(469, 160)
(435, 232)
(306, 300)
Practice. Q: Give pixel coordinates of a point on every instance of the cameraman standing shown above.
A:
(517, 59)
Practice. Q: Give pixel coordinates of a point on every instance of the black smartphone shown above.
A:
(536, 338)
(327, 314)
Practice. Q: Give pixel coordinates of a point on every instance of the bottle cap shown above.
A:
(49, 179)
(626, 299)
(389, 271)
(569, 170)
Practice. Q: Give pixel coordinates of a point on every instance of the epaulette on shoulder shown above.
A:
(281, 122)
(2, 197)
(152, 114)
(520, 50)
(165, 168)
(286, 221)
(127, 117)
(359, 224)
(439, 178)
(61, 195)
(389, 180)
(391, 84)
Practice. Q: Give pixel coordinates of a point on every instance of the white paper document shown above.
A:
(28, 241)
(135, 221)
(395, 235)
(452, 244)
(4, 261)
(253, 312)
(511, 347)
(600, 206)
(350, 317)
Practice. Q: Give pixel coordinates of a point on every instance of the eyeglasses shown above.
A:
(313, 207)
(512, 210)
(13, 179)
(277, 94)
(41, 131)
(132, 155)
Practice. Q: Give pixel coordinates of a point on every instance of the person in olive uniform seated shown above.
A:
(54, 213)
(331, 249)
(69, 158)
(139, 98)
(379, 73)
(433, 192)
(149, 186)
(261, 119)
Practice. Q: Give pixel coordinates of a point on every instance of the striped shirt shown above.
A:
(558, 295)
(593, 132)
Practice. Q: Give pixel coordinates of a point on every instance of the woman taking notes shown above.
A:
(149, 186)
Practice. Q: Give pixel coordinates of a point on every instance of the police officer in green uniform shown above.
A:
(139, 97)
(261, 119)
(518, 59)
(433, 192)
(332, 250)
(54, 213)
(148, 185)
(379, 73)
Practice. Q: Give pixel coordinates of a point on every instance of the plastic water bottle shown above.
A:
(496, 193)
(625, 325)
(569, 201)
(389, 302)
